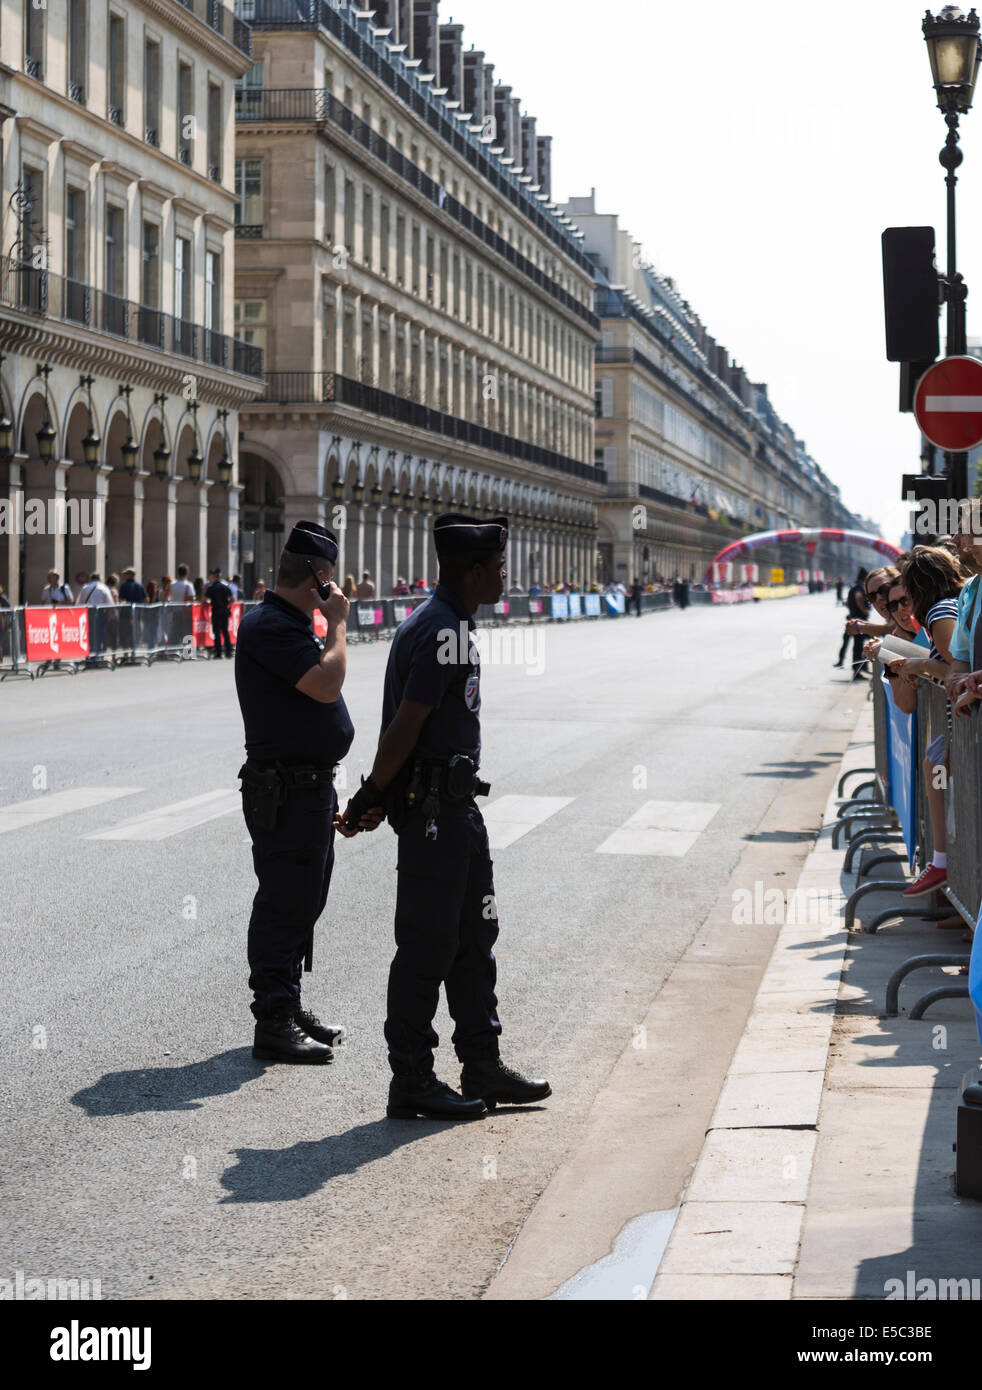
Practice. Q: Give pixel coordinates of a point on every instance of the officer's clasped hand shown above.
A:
(363, 812)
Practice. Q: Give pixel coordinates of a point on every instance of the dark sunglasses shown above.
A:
(871, 594)
(896, 603)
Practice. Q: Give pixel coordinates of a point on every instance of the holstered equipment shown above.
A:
(422, 784)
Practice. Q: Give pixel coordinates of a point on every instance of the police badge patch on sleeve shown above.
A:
(472, 691)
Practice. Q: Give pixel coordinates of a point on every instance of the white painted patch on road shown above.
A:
(41, 808)
(667, 828)
(628, 1272)
(171, 820)
(511, 817)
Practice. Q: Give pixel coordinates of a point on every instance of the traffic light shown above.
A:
(910, 294)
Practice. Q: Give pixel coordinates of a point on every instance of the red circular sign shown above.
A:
(948, 403)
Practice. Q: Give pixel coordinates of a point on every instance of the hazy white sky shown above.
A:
(758, 150)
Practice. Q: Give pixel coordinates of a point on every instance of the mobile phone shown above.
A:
(323, 589)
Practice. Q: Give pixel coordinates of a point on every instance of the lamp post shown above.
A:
(953, 46)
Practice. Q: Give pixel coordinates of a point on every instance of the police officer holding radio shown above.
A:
(425, 777)
(297, 730)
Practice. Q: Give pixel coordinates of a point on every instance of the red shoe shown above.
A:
(930, 879)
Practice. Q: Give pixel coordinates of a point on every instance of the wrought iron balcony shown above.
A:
(283, 388)
(222, 19)
(322, 109)
(24, 287)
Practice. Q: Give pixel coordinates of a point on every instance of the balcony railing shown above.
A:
(220, 18)
(321, 107)
(625, 354)
(356, 37)
(34, 291)
(284, 388)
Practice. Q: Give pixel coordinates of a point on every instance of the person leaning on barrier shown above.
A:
(297, 729)
(54, 592)
(425, 776)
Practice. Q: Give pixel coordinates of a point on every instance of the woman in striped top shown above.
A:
(933, 578)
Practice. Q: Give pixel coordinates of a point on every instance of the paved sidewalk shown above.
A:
(827, 1168)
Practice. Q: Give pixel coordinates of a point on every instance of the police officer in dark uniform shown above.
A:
(219, 595)
(297, 730)
(425, 775)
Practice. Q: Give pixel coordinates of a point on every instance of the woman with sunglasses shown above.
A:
(933, 578)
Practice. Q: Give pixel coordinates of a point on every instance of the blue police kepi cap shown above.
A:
(307, 538)
(453, 533)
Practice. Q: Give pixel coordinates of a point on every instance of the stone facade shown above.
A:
(116, 283)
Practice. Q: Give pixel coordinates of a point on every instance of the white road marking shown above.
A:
(511, 817)
(951, 405)
(171, 820)
(668, 828)
(40, 808)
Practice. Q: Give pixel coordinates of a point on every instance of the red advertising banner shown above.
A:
(201, 623)
(57, 634)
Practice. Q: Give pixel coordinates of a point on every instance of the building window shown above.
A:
(185, 113)
(151, 320)
(330, 205)
(182, 278)
(349, 216)
(115, 273)
(250, 322)
(151, 92)
(249, 92)
(384, 234)
(117, 69)
(213, 315)
(249, 191)
(76, 291)
(77, 53)
(33, 40)
(367, 228)
(214, 132)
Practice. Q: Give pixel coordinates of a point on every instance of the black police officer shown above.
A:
(296, 730)
(425, 773)
(219, 595)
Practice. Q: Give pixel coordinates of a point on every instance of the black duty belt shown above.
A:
(299, 776)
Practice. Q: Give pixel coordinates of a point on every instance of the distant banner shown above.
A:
(201, 623)
(535, 607)
(57, 634)
(575, 605)
(591, 604)
(903, 770)
(742, 595)
(614, 602)
(560, 605)
(502, 607)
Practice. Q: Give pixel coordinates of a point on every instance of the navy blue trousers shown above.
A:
(445, 926)
(293, 864)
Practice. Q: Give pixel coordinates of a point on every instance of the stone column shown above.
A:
(380, 511)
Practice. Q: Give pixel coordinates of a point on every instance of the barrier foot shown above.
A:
(17, 673)
(868, 867)
(892, 1002)
(880, 885)
(857, 841)
(916, 914)
(932, 997)
(870, 820)
(858, 800)
(60, 668)
(867, 803)
(854, 771)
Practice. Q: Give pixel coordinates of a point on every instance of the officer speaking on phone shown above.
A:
(297, 730)
(425, 776)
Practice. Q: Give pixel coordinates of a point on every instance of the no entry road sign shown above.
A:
(948, 403)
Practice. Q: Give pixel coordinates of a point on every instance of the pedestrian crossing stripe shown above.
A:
(667, 828)
(511, 817)
(166, 821)
(41, 808)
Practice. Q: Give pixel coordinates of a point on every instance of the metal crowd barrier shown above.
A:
(142, 633)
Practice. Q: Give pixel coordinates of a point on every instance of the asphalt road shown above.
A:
(143, 1147)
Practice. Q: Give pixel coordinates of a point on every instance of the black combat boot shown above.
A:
(497, 1084)
(330, 1033)
(278, 1039)
(414, 1095)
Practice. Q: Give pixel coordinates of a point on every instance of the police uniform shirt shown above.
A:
(276, 648)
(434, 662)
(219, 595)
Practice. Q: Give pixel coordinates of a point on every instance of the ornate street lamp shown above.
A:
(91, 440)
(130, 449)
(358, 492)
(46, 435)
(395, 497)
(225, 462)
(953, 46)
(338, 489)
(161, 455)
(6, 436)
(376, 495)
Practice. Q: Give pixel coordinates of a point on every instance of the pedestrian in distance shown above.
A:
(219, 595)
(95, 594)
(636, 592)
(297, 730)
(54, 592)
(858, 608)
(425, 776)
(365, 589)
